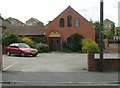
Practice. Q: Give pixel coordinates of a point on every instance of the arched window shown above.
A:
(77, 22)
(69, 21)
(61, 22)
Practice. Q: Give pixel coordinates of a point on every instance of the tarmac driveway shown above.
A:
(47, 62)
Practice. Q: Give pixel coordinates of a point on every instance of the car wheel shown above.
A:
(34, 55)
(8, 53)
(22, 54)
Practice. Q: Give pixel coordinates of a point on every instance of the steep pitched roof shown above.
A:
(33, 19)
(107, 20)
(68, 8)
(13, 19)
(7, 25)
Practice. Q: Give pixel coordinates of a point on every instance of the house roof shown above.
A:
(1, 17)
(107, 20)
(7, 25)
(30, 30)
(68, 8)
(24, 30)
(13, 19)
(33, 19)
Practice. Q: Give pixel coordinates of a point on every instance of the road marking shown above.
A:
(10, 66)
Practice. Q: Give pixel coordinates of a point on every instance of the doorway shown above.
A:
(55, 43)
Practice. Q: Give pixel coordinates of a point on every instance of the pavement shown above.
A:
(54, 68)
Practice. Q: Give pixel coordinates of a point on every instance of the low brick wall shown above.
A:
(107, 47)
(109, 64)
(113, 49)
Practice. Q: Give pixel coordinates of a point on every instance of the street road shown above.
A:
(53, 68)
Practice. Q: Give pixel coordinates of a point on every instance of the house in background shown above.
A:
(14, 22)
(7, 25)
(33, 32)
(107, 25)
(34, 22)
(117, 33)
(69, 22)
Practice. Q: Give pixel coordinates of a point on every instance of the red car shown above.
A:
(21, 49)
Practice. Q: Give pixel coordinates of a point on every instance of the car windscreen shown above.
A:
(24, 46)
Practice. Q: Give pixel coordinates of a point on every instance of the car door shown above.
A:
(14, 49)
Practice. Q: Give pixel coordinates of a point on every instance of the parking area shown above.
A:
(49, 62)
(46, 62)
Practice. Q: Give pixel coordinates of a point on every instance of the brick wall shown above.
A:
(85, 29)
(109, 64)
(106, 46)
(113, 49)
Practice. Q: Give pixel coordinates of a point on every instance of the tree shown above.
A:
(9, 37)
(91, 21)
(96, 24)
(113, 28)
(110, 34)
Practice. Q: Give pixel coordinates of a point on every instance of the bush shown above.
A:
(64, 47)
(29, 42)
(74, 43)
(42, 47)
(88, 45)
(10, 37)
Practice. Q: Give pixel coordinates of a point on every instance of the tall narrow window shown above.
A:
(77, 22)
(61, 22)
(69, 21)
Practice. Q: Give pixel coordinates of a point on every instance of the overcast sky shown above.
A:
(47, 10)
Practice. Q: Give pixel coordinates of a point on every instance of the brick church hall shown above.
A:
(67, 23)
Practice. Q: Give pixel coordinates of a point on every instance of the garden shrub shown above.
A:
(88, 45)
(64, 47)
(29, 42)
(41, 47)
(41, 39)
(73, 44)
(9, 37)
